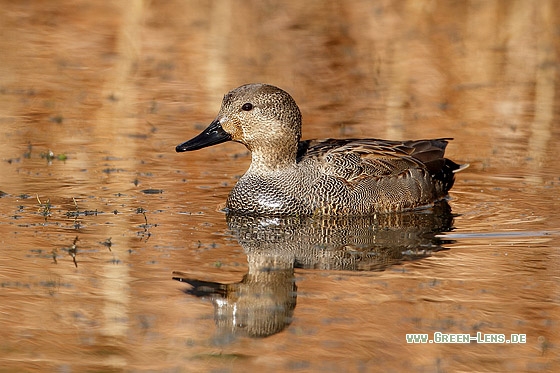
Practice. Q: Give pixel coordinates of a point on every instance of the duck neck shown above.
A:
(272, 159)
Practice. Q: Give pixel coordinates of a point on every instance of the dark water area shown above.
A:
(99, 217)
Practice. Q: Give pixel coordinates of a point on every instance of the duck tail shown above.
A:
(444, 177)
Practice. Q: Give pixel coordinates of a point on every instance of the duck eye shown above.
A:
(247, 107)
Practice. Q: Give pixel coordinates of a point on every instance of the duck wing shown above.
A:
(355, 159)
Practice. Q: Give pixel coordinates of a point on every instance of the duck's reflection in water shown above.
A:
(263, 302)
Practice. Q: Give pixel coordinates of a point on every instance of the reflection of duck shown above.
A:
(263, 302)
(344, 243)
(329, 177)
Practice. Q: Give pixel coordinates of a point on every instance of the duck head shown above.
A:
(262, 117)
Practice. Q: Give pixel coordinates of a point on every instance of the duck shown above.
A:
(336, 177)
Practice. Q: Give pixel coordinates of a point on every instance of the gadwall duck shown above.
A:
(327, 177)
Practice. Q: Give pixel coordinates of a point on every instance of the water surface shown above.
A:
(98, 213)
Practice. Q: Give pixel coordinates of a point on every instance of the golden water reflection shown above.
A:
(111, 88)
(263, 302)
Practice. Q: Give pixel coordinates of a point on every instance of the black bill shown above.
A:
(212, 135)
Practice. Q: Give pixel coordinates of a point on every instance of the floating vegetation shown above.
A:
(146, 233)
(72, 214)
(70, 218)
(44, 208)
(140, 210)
(73, 250)
(77, 224)
(152, 191)
(112, 170)
(50, 156)
(75, 214)
(107, 243)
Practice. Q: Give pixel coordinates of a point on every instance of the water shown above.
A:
(93, 234)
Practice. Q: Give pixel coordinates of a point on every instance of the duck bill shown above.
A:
(212, 135)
